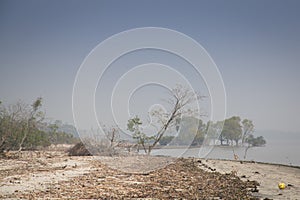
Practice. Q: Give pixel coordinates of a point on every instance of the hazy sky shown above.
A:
(255, 44)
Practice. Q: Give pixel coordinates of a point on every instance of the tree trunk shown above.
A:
(145, 148)
(23, 139)
(246, 150)
(149, 149)
(243, 138)
(237, 142)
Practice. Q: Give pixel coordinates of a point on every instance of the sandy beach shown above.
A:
(54, 175)
(267, 175)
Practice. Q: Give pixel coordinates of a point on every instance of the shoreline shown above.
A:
(253, 161)
(54, 172)
(198, 146)
(257, 154)
(268, 176)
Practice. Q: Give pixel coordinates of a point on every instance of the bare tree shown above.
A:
(112, 135)
(180, 100)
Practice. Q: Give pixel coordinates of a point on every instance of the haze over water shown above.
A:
(281, 148)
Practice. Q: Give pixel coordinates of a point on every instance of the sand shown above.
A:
(267, 175)
(51, 170)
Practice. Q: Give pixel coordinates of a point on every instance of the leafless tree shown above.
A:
(180, 103)
(112, 135)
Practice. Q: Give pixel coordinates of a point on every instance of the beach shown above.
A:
(55, 175)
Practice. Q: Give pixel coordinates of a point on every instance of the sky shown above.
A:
(255, 45)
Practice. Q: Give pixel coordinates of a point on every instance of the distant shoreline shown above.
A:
(199, 146)
(257, 162)
(216, 154)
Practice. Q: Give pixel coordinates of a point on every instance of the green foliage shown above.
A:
(248, 128)
(255, 141)
(133, 126)
(37, 139)
(232, 130)
(20, 126)
(37, 104)
(193, 131)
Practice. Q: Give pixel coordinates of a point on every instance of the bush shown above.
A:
(256, 141)
(20, 127)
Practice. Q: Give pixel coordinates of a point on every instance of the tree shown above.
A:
(133, 125)
(254, 142)
(248, 128)
(112, 135)
(179, 101)
(232, 130)
(32, 120)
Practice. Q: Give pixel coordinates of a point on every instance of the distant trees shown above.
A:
(232, 130)
(192, 132)
(57, 136)
(236, 130)
(255, 141)
(248, 128)
(66, 128)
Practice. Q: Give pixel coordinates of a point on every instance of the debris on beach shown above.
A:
(183, 179)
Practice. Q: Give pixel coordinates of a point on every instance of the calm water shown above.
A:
(281, 148)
